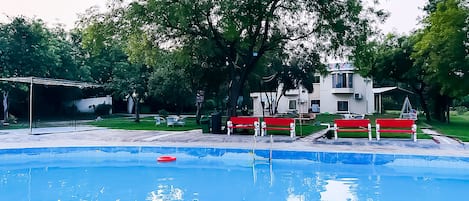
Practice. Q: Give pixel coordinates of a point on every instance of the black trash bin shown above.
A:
(205, 124)
(216, 123)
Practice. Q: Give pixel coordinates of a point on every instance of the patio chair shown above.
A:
(175, 121)
(159, 120)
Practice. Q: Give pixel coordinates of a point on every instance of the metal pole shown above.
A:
(299, 110)
(31, 107)
(260, 95)
(380, 104)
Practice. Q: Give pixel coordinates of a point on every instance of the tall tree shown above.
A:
(170, 81)
(389, 61)
(443, 51)
(125, 75)
(234, 35)
(29, 48)
(130, 80)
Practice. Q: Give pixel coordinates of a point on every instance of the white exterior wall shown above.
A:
(86, 105)
(316, 95)
(362, 106)
(301, 96)
(256, 104)
(327, 95)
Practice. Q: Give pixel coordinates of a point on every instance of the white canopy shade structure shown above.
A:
(46, 81)
(380, 91)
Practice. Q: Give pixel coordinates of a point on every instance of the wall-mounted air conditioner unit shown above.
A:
(358, 96)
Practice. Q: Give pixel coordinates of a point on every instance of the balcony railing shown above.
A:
(342, 90)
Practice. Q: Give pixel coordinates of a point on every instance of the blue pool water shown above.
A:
(207, 174)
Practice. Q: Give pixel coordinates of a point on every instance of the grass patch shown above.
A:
(147, 123)
(14, 126)
(458, 127)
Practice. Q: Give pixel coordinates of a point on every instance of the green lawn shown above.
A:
(458, 127)
(304, 130)
(15, 126)
(147, 123)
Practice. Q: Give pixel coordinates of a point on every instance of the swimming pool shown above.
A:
(206, 174)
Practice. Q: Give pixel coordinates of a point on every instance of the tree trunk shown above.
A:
(235, 90)
(440, 108)
(5, 107)
(448, 104)
(419, 89)
(137, 109)
(424, 105)
(198, 113)
(238, 76)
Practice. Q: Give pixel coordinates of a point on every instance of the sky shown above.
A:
(50, 11)
(403, 19)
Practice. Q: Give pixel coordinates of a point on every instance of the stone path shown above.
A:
(94, 136)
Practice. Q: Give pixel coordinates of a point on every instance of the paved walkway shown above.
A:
(94, 136)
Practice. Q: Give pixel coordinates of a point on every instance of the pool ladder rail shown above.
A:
(262, 161)
(269, 160)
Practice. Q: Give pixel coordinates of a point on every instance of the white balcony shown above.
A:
(342, 90)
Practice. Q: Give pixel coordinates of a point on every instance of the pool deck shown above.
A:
(94, 136)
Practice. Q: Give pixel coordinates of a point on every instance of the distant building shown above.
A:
(341, 91)
(89, 105)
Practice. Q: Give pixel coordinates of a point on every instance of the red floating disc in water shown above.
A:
(166, 158)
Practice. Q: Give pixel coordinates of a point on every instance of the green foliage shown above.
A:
(29, 48)
(460, 110)
(432, 62)
(102, 109)
(228, 40)
(147, 123)
(457, 128)
(210, 104)
(171, 82)
(463, 101)
(163, 113)
(443, 48)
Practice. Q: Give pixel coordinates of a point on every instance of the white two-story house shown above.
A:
(341, 91)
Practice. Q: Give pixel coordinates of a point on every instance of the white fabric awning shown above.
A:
(386, 89)
(45, 81)
(382, 89)
(50, 81)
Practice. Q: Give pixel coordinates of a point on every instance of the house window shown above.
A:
(342, 80)
(315, 105)
(316, 79)
(292, 104)
(342, 106)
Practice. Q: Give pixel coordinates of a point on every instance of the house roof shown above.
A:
(383, 89)
(386, 89)
(50, 81)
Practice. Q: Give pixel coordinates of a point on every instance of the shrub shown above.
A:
(210, 104)
(460, 110)
(103, 109)
(163, 113)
